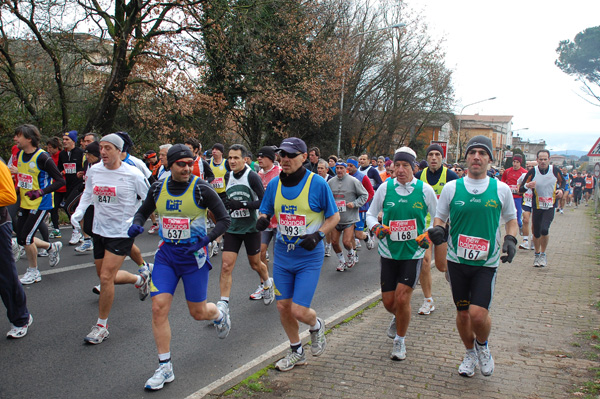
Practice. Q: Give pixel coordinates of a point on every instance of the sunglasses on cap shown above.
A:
(183, 164)
(290, 155)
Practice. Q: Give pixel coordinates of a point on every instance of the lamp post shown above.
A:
(459, 121)
(398, 25)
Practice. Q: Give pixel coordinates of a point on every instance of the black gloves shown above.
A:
(262, 223)
(438, 235)
(310, 241)
(233, 205)
(510, 248)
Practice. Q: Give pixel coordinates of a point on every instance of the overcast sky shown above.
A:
(506, 49)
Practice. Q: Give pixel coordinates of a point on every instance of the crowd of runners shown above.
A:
(204, 202)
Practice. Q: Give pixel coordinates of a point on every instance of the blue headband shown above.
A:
(340, 163)
(353, 162)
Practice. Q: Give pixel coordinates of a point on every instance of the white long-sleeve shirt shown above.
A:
(114, 194)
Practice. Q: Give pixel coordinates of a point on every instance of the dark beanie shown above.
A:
(93, 148)
(480, 142)
(405, 154)
(219, 147)
(519, 158)
(268, 152)
(177, 152)
(435, 147)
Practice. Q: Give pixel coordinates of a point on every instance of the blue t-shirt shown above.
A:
(320, 197)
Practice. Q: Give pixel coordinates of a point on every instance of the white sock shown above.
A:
(267, 283)
(316, 326)
(139, 281)
(219, 317)
(351, 252)
(430, 299)
(398, 338)
(164, 357)
(102, 322)
(225, 299)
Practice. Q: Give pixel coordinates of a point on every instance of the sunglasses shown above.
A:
(459, 170)
(290, 155)
(183, 164)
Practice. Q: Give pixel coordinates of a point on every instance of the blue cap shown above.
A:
(292, 145)
(72, 135)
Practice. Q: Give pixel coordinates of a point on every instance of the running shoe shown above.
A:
(31, 276)
(355, 257)
(96, 289)
(267, 255)
(524, 244)
(42, 253)
(536, 260)
(391, 332)
(22, 253)
(224, 326)
(467, 367)
(215, 249)
(351, 261)
(370, 243)
(97, 335)
(54, 253)
(76, 238)
(55, 234)
(427, 307)
(398, 350)
(16, 250)
(486, 361)
(258, 294)
(153, 230)
(543, 260)
(341, 267)
(87, 245)
(144, 288)
(268, 294)
(19, 332)
(317, 338)
(357, 243)
(561, 211)
(162, 375)
(327, 250)
(291, 360)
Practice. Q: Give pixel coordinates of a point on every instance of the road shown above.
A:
(52, 361)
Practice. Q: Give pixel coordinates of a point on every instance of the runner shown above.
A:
(35, 171)
(437, 176)
(113, 187)
(163, 171)
(526, 206)
(11, 290)
(323, 170)
(243, 196)
(313, 159)
(383, 174)
(219, 167)
(70, 162)
(474, 205)
(405, 203)
(201, 167)
(54, 147)
(371, 172)
(349, 195)
(510, 177)
(590, 185)
(548, 185)
(268, 171)
(305, 211)
(359, 231)
(578, 183)
(181, 200)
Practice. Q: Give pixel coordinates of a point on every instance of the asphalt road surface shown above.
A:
(52, 361)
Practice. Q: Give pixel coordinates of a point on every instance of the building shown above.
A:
(529, 147)
(557, 160)
(497, 127)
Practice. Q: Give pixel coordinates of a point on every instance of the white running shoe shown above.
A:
(291, 360)
(224, 326)
(54, 253)
(144, 288)
(153, 230)
(162, 375)
(19, 332)
(258, 294)
(76, 238)
(398, 350)
(524, 244)
(341, 267)
(31, 276)
(317, 338)
(427, 307)
(97, 335)
(87, 245)
(16, 250)
(357, 242)
(391, 332)
(486, 361)
(268, 294)
(42, 253)
(351, 261)
(543, 260)
(370, 243)
(327, 250)
(536, 260)
(467, 367)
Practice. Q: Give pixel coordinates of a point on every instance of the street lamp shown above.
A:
(398, 25)
(459, 120)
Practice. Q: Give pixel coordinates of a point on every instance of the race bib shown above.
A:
(472, 248)
(240, 213)
(105, 195)
(403, 230)
(514, 189)
(292, 225)
(25, 181)
(546, 202)
(341, 205)
(578, 184)
(218, 182)
(70, 168)
(527, 197)
(174, 228)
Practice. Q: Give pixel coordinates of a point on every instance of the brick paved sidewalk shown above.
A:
(536, 313)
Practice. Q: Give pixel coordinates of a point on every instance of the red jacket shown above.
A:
(510, 177)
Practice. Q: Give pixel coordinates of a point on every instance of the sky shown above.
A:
(506, 49)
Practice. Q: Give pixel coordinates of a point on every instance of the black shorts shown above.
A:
(267, 235)
(471, 285)
(342, 227)
(119, 246)
(233, 242)
(541, 219)
(28, 221)
(587, 190)
(394, 272)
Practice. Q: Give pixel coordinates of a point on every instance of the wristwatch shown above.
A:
(321, 234)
